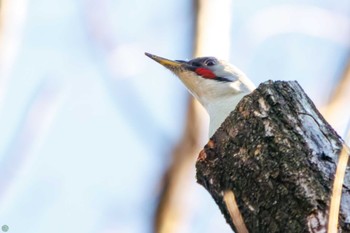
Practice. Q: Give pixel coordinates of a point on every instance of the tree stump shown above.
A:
(278, 155)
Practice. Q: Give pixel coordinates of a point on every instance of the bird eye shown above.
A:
(210, 62)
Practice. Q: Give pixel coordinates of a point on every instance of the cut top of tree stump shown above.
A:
(278, 155)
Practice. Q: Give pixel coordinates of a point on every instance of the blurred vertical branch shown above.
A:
(12, 16)
(212, 37)
(337, 112)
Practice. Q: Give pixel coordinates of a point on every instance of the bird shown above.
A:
(215, 83)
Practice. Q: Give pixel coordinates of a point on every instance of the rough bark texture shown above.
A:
(278, 155)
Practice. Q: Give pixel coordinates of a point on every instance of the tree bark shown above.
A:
(278, 156)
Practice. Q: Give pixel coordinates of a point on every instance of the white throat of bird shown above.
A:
(216, 84)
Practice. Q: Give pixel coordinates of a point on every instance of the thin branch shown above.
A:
(337, 190)
(337, 111)
(12, 17)
(236, 216)
(338, 186)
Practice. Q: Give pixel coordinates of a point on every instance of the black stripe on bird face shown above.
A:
(220, 79)
(201, 66)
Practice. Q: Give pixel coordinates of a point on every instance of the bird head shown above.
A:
(209, 79)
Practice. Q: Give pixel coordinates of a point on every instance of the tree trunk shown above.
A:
(278, 156)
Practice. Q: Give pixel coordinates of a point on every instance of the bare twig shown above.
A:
(338, 187)
(337, 111)
(12, 16)
(236, 216)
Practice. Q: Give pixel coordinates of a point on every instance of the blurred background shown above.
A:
(96, 137)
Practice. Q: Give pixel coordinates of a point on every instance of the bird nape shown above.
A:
(216, 84)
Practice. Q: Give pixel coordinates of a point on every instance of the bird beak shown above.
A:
(170, 64)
